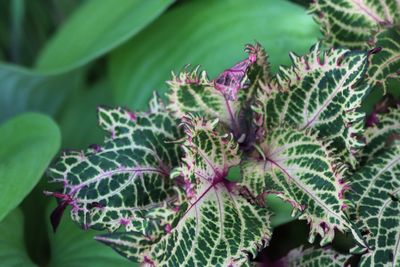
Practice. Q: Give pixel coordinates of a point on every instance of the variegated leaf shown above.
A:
(121, 181)
(385, 64)
(216, 227)
(376, 189)
(297, 167)
(352, 23)
(227, 98)
(320, 91)
(312, 257)
(381, 135)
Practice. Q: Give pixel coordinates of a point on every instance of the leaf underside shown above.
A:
(227, 98)
(312, 257)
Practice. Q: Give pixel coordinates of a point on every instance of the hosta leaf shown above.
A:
(216, 226)
(227, 97)
(221, 29)
(22, 90)
(351, 23)
(320, 91)
(312, 257)
(297, 167)
(70, 246)
(28, 143)
(386, 63)
(105, 184)
(12, 243)
(375, 191)
(82, 104)
(381, 135)
(96, 28)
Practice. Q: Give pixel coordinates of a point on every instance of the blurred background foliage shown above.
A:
(63, 58)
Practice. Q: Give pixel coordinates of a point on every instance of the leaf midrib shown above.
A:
(316, 199)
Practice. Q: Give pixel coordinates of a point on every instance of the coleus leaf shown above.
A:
(215, 226)
(105, 184)
(364, 25)
(375, 190)
(312, 257)
(382, 134)
(227, 97)
(320, 91)
(300, 169)
(351, 23)
(385, 64)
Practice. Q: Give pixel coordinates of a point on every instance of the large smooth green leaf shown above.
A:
(72, 247)
(28, 143)
(69, 246)
(208, 33)
(23, 90)
(12, 247)
(83, 105)
(96, 28)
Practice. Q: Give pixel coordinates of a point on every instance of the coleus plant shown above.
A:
(161, 183)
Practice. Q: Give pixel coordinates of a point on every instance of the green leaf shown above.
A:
(105, 184)
(95, 29)
(352, 23)
(375, 190)
(227, 98)
(83, 104)
(312, 257)
(72, 247)
(297, 167)
(221, 29)
(378, 137)
(28, 143)
(320, 91)
(12, 242)
(216, 226)
(385, 64)
(23, 90)
(281, 210)
(69, 246)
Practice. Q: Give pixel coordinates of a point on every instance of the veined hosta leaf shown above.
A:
(386, 63)
(119, 182)
(376, 189)
(297, 167)
(380, 135)
(320, 91)
(312, 257)
(351, 23)
(216, 226)
(226, 97)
